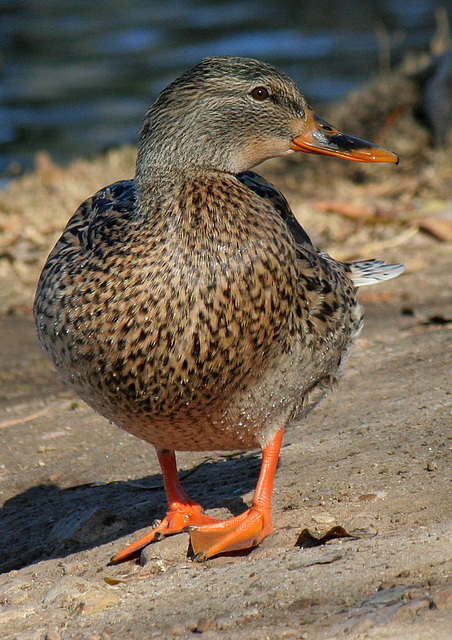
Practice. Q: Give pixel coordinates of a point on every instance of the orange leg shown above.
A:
(249, 528)
(182, 511)
(208, 536)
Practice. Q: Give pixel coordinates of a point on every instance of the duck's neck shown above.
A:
(162, 187)
(208, 207)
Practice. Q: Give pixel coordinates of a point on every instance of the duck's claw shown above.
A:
(175, 521)
(242, 532)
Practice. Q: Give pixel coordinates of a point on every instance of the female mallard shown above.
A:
(188, 305)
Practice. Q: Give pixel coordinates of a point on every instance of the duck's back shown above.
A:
(203, 325)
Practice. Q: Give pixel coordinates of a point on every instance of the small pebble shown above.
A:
(108, 631)
(443, 599)
(407, 612)
(301, 603)
(170, 549)
(206, 624)
(405, 573)
(71, 567)
(53, 635)
(323, 518)
(176, 629)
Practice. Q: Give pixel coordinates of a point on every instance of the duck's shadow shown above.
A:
(46, 521)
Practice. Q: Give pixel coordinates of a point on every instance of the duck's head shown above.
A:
(230, 114)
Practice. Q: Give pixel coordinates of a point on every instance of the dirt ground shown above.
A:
(375, 458)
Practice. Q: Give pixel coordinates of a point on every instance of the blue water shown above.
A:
(77, 76)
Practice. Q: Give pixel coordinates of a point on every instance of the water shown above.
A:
(77, 76)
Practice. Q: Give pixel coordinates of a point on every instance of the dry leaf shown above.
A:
(437, 227)
(308, 539)
(346, 209)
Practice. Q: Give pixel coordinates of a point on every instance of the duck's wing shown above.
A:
(97, 224)
(104, 210)
(362, 272)
(266, 190)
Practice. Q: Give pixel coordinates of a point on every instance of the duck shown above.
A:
(189, 306)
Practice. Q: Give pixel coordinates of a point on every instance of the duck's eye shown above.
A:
(326, 127)
(260, 93)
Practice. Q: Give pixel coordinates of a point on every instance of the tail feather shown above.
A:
(365, 272)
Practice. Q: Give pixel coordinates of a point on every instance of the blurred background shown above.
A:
(77, 76)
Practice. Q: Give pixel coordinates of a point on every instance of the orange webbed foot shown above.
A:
(176, 520)
(182, 510)
(249, 528)
(241, 532)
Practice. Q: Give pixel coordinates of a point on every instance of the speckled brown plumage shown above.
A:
(189, 306)
(168, 352)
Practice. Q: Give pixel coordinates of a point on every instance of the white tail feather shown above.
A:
(365, 272)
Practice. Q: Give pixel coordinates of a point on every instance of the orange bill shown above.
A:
(322, 138)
